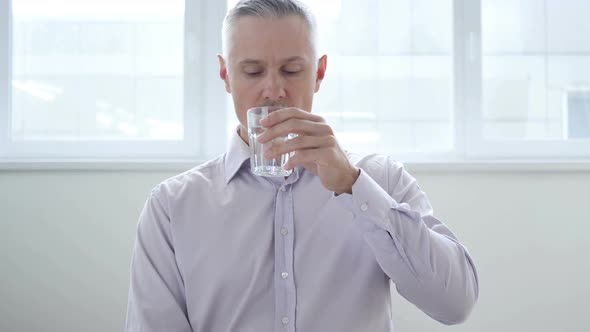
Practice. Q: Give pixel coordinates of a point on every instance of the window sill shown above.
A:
(147, 165)
(502, 166)
(183, 165)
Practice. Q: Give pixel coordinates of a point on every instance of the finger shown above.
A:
(316, 156)
(295, 126)
(299, 143)
(289, 113)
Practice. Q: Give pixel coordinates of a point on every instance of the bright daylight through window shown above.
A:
(421, 80)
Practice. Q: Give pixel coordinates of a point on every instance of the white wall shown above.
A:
(66, 239)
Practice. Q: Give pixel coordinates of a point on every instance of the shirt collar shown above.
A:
(237, 153)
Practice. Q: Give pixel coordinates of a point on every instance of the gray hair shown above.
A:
(268, 9)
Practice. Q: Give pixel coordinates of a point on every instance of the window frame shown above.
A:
(197, 96)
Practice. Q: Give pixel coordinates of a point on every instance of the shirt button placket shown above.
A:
(286, 299)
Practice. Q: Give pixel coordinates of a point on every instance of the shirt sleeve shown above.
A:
(156, 294)
(428, 265)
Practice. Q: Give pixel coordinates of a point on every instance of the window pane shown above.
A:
(97, 70)
(536, 69)
(388, 87)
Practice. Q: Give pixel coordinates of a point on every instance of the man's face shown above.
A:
(271, 62)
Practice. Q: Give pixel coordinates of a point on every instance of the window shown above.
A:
(535, 77)
(422, 80)
(97, 70)
(98, 79)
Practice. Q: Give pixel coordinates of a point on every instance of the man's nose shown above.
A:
(274, 88)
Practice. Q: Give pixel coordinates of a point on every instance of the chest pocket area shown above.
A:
(330, 229)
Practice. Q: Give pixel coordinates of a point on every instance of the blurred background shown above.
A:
(487, 102)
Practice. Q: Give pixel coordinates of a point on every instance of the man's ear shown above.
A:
(223, 72)
(321, 72)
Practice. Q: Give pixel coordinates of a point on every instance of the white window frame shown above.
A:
(206, 105)
(201, 18)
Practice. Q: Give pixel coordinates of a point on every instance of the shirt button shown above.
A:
(284, 275)
(284, 231)
(283, 189)
(364, 207)
(285, 320)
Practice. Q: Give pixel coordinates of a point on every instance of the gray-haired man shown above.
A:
(221, 249)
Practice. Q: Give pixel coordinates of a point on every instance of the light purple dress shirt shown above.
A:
(220, 249)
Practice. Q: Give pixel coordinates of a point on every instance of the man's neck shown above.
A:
(243, 133)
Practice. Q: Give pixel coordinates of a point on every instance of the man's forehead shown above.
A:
(255, 61)
(282, 39)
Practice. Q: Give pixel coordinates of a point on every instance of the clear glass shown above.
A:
(273, 167)
(98, 70)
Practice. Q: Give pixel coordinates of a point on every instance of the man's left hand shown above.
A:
(315, 147)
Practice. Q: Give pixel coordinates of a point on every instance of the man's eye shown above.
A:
(291, 72)
(253, 73)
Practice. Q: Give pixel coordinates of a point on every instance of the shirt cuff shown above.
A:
(368, 201)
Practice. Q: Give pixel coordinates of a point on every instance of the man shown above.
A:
(221, 249)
